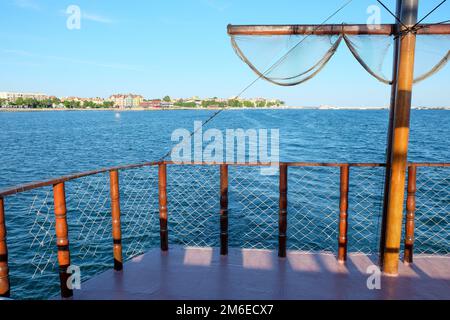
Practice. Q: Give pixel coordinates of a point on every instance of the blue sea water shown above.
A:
(41, 145)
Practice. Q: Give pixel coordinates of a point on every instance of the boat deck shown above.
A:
(201, 273)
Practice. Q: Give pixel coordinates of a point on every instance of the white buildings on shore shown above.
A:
(13, 96)
(123, 101)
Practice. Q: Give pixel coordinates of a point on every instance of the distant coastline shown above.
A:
(210, 108)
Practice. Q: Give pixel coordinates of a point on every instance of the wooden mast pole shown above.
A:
(400, 136)
(389, 138)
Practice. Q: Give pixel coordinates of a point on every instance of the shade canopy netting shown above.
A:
(289, 60)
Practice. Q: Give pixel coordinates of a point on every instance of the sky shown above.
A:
(181, 48)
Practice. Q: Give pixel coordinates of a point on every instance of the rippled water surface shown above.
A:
(41, 145)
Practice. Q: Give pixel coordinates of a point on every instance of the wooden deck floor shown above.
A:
(193, 273)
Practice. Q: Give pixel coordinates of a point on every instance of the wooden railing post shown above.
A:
(4, 271)
(410, 212)
(343, 214)
(223, 209)
(62, 237)
(162, 173)
(116, 225)
(282, 219)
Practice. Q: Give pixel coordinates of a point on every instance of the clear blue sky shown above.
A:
(180, 48)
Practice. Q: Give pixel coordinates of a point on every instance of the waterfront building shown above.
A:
(13, 96)
(137, 100)
(145, 104)
(155, 103)
(165, 104)
(122, 101)
(128, 101)
(118, 100)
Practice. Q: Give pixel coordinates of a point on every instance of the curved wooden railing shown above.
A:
(51, 182)
(61, 227)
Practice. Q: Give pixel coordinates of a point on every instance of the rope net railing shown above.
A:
(139, 210)
(432, 214)
(193, 205)
(89, 220)
(313, 208)
(194, 209)
(365, 209)
(253, 208)
(32, 255)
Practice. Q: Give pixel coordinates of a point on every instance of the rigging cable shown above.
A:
(415, 26)
(429, 13)
(391, 13)
(442, 22)
(277, 63)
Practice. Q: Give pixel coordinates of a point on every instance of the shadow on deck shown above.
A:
(201, 273)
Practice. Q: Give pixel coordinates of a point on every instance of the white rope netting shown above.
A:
(289, 60)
